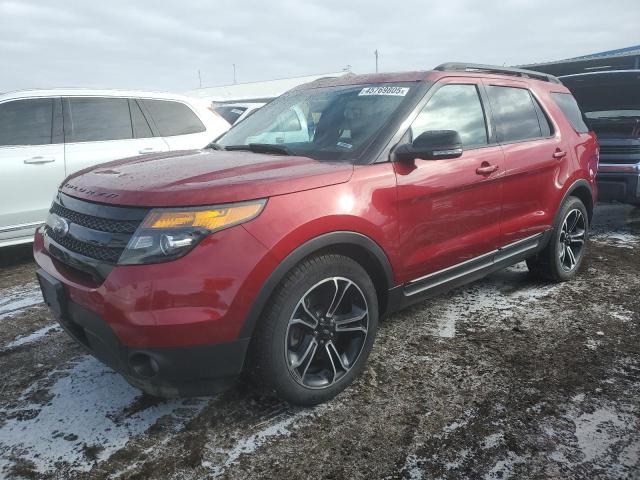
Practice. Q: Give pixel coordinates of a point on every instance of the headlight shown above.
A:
(169, 233)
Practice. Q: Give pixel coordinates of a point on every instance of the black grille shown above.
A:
(620, 149)
(95, 223)
(98, 232)
(97, 252)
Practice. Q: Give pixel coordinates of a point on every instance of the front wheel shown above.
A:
(561, 258)
(317, 332)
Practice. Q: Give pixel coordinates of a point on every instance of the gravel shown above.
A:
(504, 378)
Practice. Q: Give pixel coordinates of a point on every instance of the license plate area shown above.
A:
(53, 294)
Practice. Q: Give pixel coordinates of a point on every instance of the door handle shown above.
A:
(148, 150)
(38, 160)
(486, 169)
(559, 154)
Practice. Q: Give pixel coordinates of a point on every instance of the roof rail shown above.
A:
(477, 67)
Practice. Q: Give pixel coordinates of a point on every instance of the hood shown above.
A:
(201, 177)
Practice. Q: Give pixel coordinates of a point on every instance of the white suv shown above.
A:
(45, 135)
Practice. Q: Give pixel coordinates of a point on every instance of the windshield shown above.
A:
(332, 123)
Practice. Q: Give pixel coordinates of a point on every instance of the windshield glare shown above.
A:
(333, 123)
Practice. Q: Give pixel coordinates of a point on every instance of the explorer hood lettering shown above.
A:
(202, 177)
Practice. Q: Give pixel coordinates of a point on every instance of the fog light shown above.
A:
(144, 365)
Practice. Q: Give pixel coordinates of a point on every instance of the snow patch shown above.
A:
(620, 239)
(463, 422)
(16, 299)
(598, 431)
(88, 405)
(493, 440)
(504, 469)
(461, 456)
(35, 336)
(622, 315)
(252, 443)
(496, 295)
(592, 344)
(411, 466)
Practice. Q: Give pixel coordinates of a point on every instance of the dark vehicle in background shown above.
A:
(611, 104)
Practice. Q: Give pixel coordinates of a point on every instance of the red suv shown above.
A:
(277, 250)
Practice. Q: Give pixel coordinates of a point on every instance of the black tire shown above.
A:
(280, 336)
(551, 263)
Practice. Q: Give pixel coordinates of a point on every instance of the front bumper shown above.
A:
(164, 372)
(172, 328)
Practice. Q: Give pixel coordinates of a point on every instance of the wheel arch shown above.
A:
(582, 190)
(354, 245)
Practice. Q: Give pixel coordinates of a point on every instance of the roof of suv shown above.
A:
(444, 70)
(83, 92)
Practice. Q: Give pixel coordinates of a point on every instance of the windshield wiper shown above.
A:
(215, 146)
(261, 148)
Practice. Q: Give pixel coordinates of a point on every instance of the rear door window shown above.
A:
(454, 107)
(571, 110)
(515, 114)
(543, 120)
(95, 119)
(26, 122)
(173, 118)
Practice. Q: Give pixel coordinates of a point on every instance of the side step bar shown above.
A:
(473, 269)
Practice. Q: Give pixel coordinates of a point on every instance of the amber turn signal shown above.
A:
(210, 218)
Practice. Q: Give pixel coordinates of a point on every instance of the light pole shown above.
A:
(376, 54)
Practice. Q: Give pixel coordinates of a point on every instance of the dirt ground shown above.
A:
(504, 378)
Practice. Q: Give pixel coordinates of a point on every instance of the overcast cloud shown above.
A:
(161, 45)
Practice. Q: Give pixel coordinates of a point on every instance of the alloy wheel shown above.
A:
(326, 332)
(572, 238)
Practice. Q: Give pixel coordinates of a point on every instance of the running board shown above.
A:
(473, 269)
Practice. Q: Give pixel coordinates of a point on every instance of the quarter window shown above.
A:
(173, 118)
(93, 119)
(26, 122)
(454, 107)
(571, 110)
(515, 114)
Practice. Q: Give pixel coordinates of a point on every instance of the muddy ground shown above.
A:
(504, 378)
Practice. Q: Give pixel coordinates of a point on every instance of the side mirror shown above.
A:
(431, 145)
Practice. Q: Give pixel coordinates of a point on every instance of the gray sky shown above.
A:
(161, 45)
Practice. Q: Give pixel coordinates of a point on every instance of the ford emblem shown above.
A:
(61, 227)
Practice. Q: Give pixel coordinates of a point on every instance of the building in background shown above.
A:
(254, 92)
(621, 59)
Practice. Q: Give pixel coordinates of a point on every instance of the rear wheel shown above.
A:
(562, 257)
(317, 332)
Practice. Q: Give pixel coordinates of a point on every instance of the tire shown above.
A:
(554, 262)
(301, 351)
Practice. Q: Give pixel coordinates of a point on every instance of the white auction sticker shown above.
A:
(388, 90)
